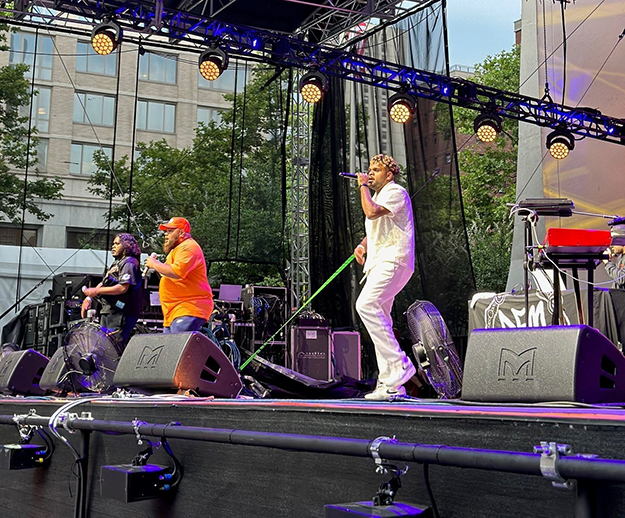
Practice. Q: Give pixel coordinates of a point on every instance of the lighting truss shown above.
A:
(187, 31)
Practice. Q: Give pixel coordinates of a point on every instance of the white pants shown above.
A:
(374, 305)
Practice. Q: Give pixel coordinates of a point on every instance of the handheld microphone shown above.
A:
(348, 175)
(147, 268)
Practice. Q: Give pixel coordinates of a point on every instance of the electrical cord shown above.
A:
(428, 488)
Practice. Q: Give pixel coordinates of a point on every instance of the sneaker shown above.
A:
(384, 393)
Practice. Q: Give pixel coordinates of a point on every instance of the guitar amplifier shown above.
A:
(346, 354)
(311, 352)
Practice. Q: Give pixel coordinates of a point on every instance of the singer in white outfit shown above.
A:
(389, 264)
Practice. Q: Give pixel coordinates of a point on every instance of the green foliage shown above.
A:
(15, 93)
(232, 197)
(488, 178)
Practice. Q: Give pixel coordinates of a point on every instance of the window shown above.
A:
(94, 239)
(40, 111)
(81, 161)
(42, 154)
(225, 81)
(94, 109)
(88, 61)
(23, 51)
(155, 116)
(10, 235)
(158, 67)
(206, 115)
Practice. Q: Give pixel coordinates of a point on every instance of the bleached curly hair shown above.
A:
(388, 162)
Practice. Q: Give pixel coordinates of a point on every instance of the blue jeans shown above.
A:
(185, 324)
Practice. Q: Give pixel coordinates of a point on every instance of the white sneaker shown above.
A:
(384, 393)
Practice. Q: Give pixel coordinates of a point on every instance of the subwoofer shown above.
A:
(20, 372)
(183, 361)
(540, 364)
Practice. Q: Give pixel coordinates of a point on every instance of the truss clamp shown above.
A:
(383, 466)
(550, 453)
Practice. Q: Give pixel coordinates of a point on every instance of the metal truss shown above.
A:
(190, 30)
(300, 153)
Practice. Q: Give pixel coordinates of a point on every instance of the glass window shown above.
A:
(94, 239)
(225, 81)
(94, 109)
(10, 235)
(155, 116)
(206, 115)
(81, 159)
(23, 51)
(158, 67)
(42, 154)
(40, 111)
(87, 60)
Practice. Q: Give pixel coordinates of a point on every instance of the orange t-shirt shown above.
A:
(191, 295)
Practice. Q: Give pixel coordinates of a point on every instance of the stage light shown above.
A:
(401, 107)
(312, 86)
(560, 143)
(106, 37)
(487, 126)
(212, 63)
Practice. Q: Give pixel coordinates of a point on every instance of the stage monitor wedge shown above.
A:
(20, 372)
(543, 364)
(182, 361)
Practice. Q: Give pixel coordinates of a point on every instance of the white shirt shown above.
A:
(390, 238)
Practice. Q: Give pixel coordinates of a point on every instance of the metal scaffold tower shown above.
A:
(298, 202)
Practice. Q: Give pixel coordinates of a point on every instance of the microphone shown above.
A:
(147, 268)
(348, 175)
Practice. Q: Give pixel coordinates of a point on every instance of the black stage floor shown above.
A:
(224, 480)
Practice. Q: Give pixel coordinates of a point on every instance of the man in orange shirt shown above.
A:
(186, 297)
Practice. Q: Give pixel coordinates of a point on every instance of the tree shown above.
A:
(15, 93)
(488, 178)
(228, 184)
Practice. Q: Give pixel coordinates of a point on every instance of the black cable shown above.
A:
(232, 137)
(428, 488)
(241, 152)
(564, 45)
(178, 471)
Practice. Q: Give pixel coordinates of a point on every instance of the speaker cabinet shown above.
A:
(558, 363)
(54, 377)
(20, 372)
(310, 351)
(183, 361)
(346, 354)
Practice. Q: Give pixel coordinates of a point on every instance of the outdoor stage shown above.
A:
(230, 480)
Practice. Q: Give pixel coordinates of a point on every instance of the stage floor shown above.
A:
(228, 480)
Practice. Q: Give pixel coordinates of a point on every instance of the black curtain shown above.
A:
(425, 151)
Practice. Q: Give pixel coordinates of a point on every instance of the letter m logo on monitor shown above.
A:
(149, 357)
(513, 366)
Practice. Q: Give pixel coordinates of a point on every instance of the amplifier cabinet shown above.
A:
(311, 352)
(346, 354)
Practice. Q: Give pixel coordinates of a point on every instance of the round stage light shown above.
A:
(105, 38)
(212, 63)
(487, 126)
(312, 86)
(401, 108)
(560, 143)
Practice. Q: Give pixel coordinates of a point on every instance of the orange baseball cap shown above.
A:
(176, 222)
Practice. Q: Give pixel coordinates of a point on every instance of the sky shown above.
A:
(479, 28)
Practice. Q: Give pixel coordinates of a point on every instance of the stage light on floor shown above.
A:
(401, 107)
(312, 86)
(487, 126)
(106, 37)
(212, 63)
(560, 143)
